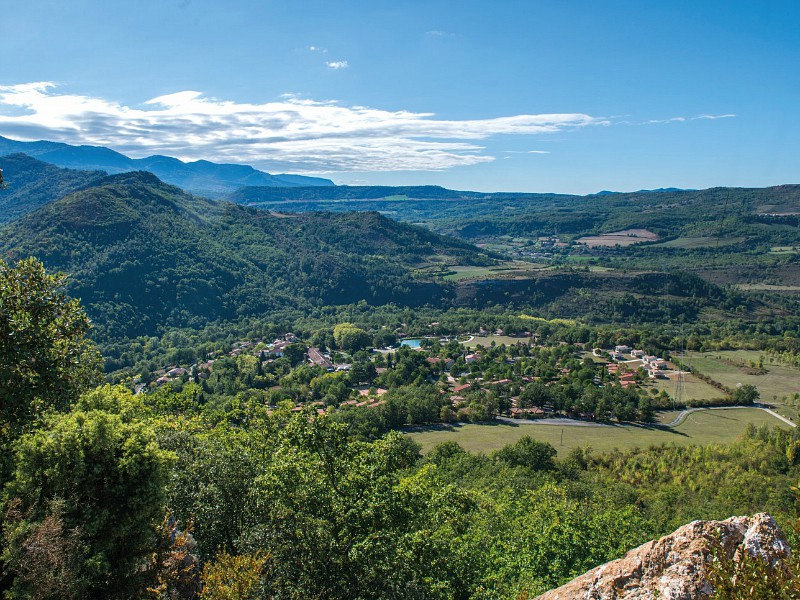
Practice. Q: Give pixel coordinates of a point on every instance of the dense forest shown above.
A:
(143, 254)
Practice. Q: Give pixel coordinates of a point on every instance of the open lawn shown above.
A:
(701, 427)
(730, 368)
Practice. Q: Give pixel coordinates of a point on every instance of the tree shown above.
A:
(529, 453)
(106, 478)
(746, 394)
(46, 361)
(233, 577)
(350, 338)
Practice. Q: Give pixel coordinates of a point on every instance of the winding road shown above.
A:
(674, 423)
(686, 412)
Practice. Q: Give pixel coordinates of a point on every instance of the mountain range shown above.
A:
(200, 177)
(143, 254)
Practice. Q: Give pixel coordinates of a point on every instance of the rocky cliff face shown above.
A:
(675, 567)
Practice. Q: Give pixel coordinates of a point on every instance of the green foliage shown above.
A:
(751, 577)
(34, 184)
(746, 394)
(350, 338)
(233, 577)
(46, 361)
(145, 255)
(103, 480)
(527, 452)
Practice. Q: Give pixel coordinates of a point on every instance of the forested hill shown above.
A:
(473, 215)
(33, 183)
(144, 254)
(200, 177)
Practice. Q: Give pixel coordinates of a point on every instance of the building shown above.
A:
(317, 358)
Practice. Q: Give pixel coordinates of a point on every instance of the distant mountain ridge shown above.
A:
(201, 177)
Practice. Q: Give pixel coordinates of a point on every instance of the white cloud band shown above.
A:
(291, 134)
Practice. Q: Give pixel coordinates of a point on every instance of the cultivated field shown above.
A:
(627, 237)
(701, 427)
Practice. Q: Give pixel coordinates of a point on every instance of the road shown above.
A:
(684, 413)
(674, 423)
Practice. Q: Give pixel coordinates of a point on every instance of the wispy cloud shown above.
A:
(659, 121)
(292, 133)
(337, 64)
(438, 33)
(713, 117)
(684, 119)
(526, 152)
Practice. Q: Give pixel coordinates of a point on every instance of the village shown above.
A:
(518, 379)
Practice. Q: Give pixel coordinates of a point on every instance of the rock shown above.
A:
(674, 567)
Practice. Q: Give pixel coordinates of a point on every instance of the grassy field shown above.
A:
(700, 242)
(766, 287)
(730, 368)
(694, 390)
(701, 427)
(511, 269)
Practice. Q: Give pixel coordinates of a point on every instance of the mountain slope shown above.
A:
(144, 254)
(32, 183)
(200, 177)
(475, 216)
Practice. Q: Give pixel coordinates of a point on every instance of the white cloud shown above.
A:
(526, 152)
(659, 121)
(337, 64)
(438, 33)
(713, 117)
(291, 134)
(684, 119)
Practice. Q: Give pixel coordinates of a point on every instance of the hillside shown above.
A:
(32, 183)
(669, 212)
(719, 233)
(144, 255)
(199, 177)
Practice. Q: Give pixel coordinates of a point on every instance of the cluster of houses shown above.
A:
(653, 365)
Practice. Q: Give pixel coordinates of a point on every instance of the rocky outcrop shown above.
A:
(675, 567)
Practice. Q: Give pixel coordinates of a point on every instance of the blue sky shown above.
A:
(489, 95)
